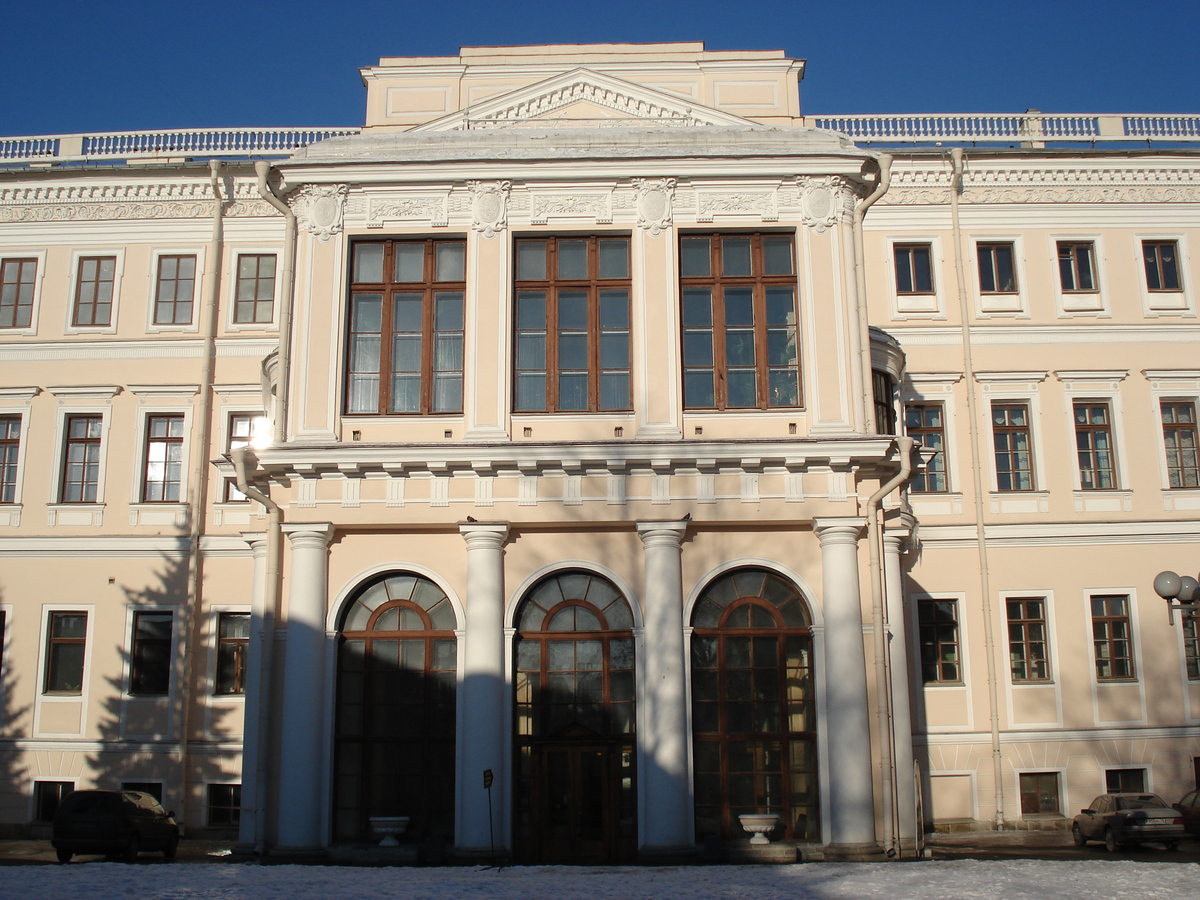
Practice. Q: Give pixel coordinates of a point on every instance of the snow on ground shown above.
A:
(957, 880)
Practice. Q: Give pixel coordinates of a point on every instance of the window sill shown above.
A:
(85, 514)
(1020, 501)
(934, 685)
(1181, 498)
(170, 514)
(1033, 683)
(10, 514)
(936, 503)
(1133, 680)
(1103, 501)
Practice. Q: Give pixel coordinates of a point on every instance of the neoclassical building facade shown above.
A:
(585, 453)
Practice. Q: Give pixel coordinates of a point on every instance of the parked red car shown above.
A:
(1121, 819)
(115, 823)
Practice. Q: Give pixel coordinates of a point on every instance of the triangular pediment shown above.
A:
(582, 98)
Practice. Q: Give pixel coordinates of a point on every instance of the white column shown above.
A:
(483, 740)
(302, 774)
(254, 742)
(906, 792)
(667, 816)
(852, 801)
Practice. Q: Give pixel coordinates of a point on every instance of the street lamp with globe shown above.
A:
(1182, 592)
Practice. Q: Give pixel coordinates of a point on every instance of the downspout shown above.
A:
(860, 375)
(198, 481)
(883, 693)
(288, 277)
(989, 636)
(258, 687)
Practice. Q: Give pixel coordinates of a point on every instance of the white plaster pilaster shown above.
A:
(254, 742)
(894, 539)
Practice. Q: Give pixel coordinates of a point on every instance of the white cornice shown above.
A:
(83, 547)
(85, 392)
(1060, 735)
(993, 335)
(164, 390)
(1064, 534)
(189, 348)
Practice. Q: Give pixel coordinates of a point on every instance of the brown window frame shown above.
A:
(707, 363)
(1095, 452)
(224, 806)
(229, 677)
(432, 294)
(54, 679)
(1009, 477)
(1181, 439)
(989, 255)
(10, 457)
(1028, 639)
(1034, 792)
(1112, 633)
(601, 334)
(163, 454)
(1161, 259)
(91, 308)
(170, 285)
(1077, 259)
(236, 439)
(85, 489)
(254, 300)
(1191, 646)
(913, 260)
(883, 397)
(18, 281)
(933, 477)
(150, 654)
(937, 635)
(1126, 780)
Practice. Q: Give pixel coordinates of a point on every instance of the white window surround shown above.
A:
(1103, 385)
(1047, 598)
(211, 639)
(232, 257)
(73, 283)
(39, 276)
(43, 646)
(960, 611)
(1173, 384)
(1166, 303)
(1135, 634)
(156, 253)
(1016, 387)
(917, 306)
(937, 388)
(1006, 305)
(160, 400)
(127, 650)
(1061, 772)
(229, 407)
(1080, 303)
(57, 509)
(10, 513)
(6, 612)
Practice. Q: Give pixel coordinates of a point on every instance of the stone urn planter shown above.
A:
(391, 827)
(759, 825)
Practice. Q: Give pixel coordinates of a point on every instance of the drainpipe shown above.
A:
(198, 481)
(860, 375)
(989, 635)
(883, 693)
(258, 686)
(288, 276)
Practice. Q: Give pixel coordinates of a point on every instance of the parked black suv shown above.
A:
(115, 823)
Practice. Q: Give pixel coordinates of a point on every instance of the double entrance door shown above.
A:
(583, 804)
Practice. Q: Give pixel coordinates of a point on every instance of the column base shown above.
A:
(869, 851)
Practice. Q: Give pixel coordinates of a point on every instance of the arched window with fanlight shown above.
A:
(396, 681)
(753, 720)
(576, 796)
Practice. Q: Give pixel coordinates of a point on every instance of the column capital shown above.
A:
(662, 534)
(257, 541)
(308, 533)
(839, 529)
(484, 534)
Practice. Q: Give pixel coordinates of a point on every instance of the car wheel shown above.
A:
(1110, 841)
(1077, 836)
(132, 849)
(64, 856)
(172, 847)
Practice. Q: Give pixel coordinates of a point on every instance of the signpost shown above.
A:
(487, 783)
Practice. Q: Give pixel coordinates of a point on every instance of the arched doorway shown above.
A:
(576, 794)
(396, 683)
(753, 720)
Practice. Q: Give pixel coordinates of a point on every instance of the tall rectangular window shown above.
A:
(233, 644)
(150, 659)
(81, 459)
(10, 449)
(997, 274)
(255, 300)
(572, 333)
(740, 325)
(405, 351)
(65, 650)
(163, 467)
(94, 291)
(1039, 793)
(1112, 637)
(938, 627)
(1094, 445)
(224, 805)
(1076, 266)
(914, 268)
(173, 295)
(241, 434)
(925, 423)
(1027, 639)
(1180, 439)
(1013, 444)
(1162, 265)
(17, 279)
(883, 390)
(1191, 646)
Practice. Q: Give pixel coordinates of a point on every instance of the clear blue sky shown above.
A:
(142, 64)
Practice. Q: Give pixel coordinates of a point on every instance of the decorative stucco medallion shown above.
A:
(820, 200)
(321, 207)
(654, 203)
(489, 206)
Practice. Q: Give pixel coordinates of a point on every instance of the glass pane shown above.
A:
(698, 390)
(572, 390)
(739, 347)
(410, 262)
(531, 260)
(573, 310)
(572, 350)
(781, 347)
(572, 259)
(448, 311)
(697, 307)
(697, 348)
(735, 256)
(368, 263)
(531, 391)
(450, 260)
(614, 309)
(614, 351)
(614, 390)
(531, 311)
(367, 312)
(695, 256)
(614, 258)
(777, 255)
(531, 351)
(407, 313)
(781, 306)
(739, 306)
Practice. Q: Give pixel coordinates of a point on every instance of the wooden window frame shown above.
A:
(172, 287)
(91, 309)
(1028, 639)
(937, 635)
(1112, 633)
(908, 268)
(86, 487)
(1161, 259)
(1077, 259)
(389, 290)
(18, 283)
(934, 477)
(1114, 780)
(1191, 646)
(157, 458)
(883, 398)
(1033, 793)
(992, 251)
(235, 439)
(552, 332)
(718, 329)
(54, 674)
(10, 457)
(1006, 433)
(150, 658)
(223, 808)
(1093, 427)
(258, 308)
(229, 676)
(1181, 440)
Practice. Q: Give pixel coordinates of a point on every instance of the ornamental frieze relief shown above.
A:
(321, 207)
(764, 204)
(433, 209)
(113, 211)
(1046, 186)
(489, 206)
(597, 206)
(654, 203)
